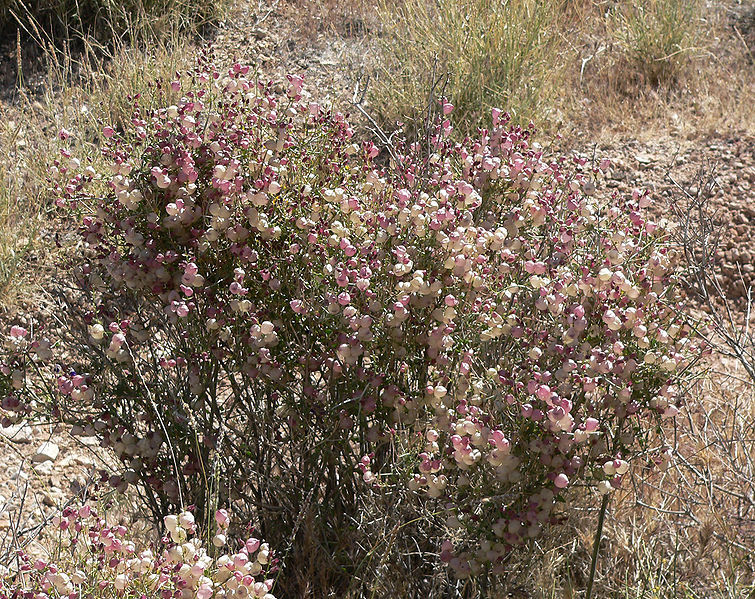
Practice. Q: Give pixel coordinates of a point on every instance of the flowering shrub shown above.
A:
(95, 559)
(270, 313)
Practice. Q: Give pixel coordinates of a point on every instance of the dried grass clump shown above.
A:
(480, 54)
(108, 21)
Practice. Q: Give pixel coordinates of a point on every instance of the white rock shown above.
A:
(84, 461)
(18, 433)
(75, 460)
(44, 468)
(19, 474)
(46, 452)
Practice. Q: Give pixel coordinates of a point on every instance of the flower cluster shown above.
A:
(263, 295)
(96, 559)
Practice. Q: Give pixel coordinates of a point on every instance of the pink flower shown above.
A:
(344, 298)
(591, 425)
(18, 332)
(222, 518)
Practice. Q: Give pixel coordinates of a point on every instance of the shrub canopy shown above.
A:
(273, 314)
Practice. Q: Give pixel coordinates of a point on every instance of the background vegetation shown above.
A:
(106, 20)
(567, 65)
(591, 70)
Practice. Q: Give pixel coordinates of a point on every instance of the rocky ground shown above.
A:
(40, 471)
(677, 169)
(41, 468)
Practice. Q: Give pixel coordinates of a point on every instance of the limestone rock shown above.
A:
(17, 433)
(48, 451)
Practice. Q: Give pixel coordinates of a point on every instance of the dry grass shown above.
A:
(108, 21)
(478, 53)
(80, 93)
(667, 66)
(587, 67)
(655, 41)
